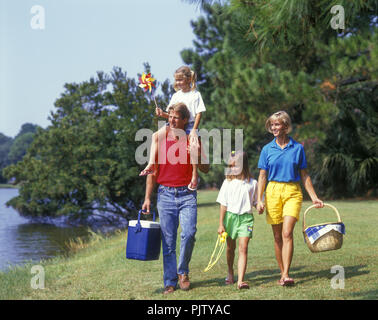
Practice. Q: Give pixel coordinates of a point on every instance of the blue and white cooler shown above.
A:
(143, 239)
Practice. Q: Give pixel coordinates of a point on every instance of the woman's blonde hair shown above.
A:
(187, 73)
(239, 157)
(281, 116)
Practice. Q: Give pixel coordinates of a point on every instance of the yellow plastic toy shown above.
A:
(221, 243)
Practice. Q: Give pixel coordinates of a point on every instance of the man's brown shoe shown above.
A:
(169, 289)
(184, 282)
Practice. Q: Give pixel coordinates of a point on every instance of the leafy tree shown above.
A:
(5, 145)
(22, 142)
(19, 147)
(85, 160)
(27, 128)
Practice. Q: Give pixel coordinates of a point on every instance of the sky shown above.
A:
(47, 43)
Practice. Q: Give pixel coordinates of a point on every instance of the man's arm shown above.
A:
(150, 185)
(160, 113)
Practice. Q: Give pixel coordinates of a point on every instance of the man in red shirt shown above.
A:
(175, 202)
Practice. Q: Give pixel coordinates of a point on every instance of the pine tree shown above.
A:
(284, 55)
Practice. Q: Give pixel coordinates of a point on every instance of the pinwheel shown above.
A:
(221, 243)
(147, 83)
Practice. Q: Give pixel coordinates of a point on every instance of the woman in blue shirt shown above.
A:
(283, 163)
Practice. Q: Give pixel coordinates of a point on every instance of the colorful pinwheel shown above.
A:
(146, 82)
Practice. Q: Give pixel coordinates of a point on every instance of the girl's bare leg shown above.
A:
(230, 255)
(243, 256)
(194, 146)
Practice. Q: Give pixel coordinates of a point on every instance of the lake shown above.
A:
(22, 241)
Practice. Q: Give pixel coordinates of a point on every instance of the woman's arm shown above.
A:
(260, 191)
(306, 180)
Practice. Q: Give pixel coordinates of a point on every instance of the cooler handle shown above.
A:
(138, 225)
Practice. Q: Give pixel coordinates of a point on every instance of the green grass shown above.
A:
(101, 271)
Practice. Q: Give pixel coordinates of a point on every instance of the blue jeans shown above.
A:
(176, 205)
(189, 127)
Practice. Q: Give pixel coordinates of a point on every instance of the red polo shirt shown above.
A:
(175, 169)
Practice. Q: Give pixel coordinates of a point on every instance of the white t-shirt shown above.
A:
(238, 195)
(192, 99)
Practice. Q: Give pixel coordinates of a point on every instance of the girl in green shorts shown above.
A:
(236, 197)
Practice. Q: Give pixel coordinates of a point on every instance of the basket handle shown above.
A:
(325, 205)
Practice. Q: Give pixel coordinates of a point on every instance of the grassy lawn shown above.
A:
(101, 271)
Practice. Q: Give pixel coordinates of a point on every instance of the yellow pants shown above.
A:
(282, 199)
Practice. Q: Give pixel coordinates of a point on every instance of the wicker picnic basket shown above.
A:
(332, 240)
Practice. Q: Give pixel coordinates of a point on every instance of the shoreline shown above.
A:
(8, 186)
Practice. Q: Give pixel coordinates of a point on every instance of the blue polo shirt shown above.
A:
(283, 165)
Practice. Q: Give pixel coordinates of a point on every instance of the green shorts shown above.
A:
(238, 225)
